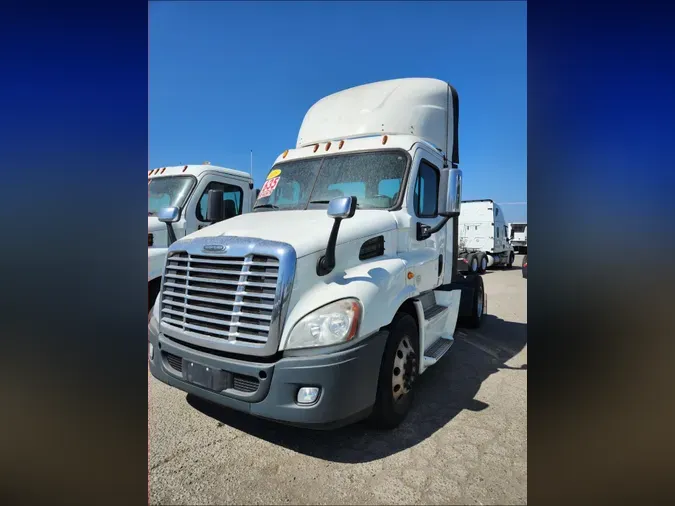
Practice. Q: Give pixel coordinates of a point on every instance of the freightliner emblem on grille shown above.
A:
(214, 247)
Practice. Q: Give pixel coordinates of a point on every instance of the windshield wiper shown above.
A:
(328, 202)
(268, 206)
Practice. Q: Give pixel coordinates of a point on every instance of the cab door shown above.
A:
(234, 193)
(426, 257)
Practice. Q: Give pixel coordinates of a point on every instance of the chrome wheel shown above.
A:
(483, 264)
(474, 264)
(405, 370)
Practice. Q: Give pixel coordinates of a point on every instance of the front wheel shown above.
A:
(397, 373)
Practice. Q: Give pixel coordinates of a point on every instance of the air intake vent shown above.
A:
(372, 248)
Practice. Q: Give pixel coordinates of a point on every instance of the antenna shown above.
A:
(251, 164)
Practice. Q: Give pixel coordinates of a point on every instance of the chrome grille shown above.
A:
(231, 298)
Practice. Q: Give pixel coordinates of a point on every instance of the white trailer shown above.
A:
(324, 305)
(483, 236)
(185, 190)
(518, 236)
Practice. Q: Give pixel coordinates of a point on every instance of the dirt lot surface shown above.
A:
(464, 442)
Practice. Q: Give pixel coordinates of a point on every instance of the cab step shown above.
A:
(436, 350)
(432, 311)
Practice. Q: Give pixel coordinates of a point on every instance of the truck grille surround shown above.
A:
(227, 293)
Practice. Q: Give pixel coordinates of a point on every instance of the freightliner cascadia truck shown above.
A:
(325, 304)
(186, 188)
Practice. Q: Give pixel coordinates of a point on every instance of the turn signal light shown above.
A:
(285, 154)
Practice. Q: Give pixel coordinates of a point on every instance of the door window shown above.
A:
(232, 198)
(426, 191)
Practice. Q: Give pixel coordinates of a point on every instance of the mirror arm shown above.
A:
(327, 262)
(171, 234)
(426, 231)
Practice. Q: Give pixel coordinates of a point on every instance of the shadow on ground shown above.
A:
(442, 392)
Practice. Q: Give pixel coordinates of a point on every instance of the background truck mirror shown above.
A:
(215, 210)
(169, 215)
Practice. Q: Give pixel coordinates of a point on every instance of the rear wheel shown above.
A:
(475, 317)
(473, 263)
(510, 262)
(397, 373)
(482, 263)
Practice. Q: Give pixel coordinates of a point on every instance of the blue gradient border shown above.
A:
(73, 135)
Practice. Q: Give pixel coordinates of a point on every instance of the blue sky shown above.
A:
(230, 77)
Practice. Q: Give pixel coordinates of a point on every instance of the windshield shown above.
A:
(168, 192)
(373, 178)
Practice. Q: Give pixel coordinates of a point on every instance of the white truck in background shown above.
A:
(518, 236)
(483, 236)
(186, 188)
(324, 305)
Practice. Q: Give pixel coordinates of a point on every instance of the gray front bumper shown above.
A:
(347, 378)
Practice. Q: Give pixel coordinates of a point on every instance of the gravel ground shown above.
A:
(464, 442)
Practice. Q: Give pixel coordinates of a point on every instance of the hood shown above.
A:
(306, 231)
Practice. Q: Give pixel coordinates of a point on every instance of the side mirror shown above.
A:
(339, 209)
(169, 215)
(450, 193)
(342, 207)
(215, 210)
(449, 201)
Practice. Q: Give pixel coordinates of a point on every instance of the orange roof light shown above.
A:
(384, 139)
(342, 143)
(162, 171)
(285, 154)
(327, 146)
(185, 168)
(149, 172)
(316, 146)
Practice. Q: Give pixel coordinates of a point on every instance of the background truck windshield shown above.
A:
(168, 192)
(374, 178)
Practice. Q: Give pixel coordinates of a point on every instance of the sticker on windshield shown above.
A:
(268, 187)
(274, 173)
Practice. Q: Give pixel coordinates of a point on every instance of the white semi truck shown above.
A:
(325, 304)
(483, 236)
(518, 236)
(186, 188)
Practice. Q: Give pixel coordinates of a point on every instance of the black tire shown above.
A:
(473, 258)
(511, 260)
(388, 412)
(524, 268)
(478, 304)
(482, 260)
(153, 292)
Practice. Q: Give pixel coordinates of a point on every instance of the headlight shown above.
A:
(334, 323)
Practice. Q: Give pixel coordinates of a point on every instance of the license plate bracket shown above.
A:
(206, 376)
